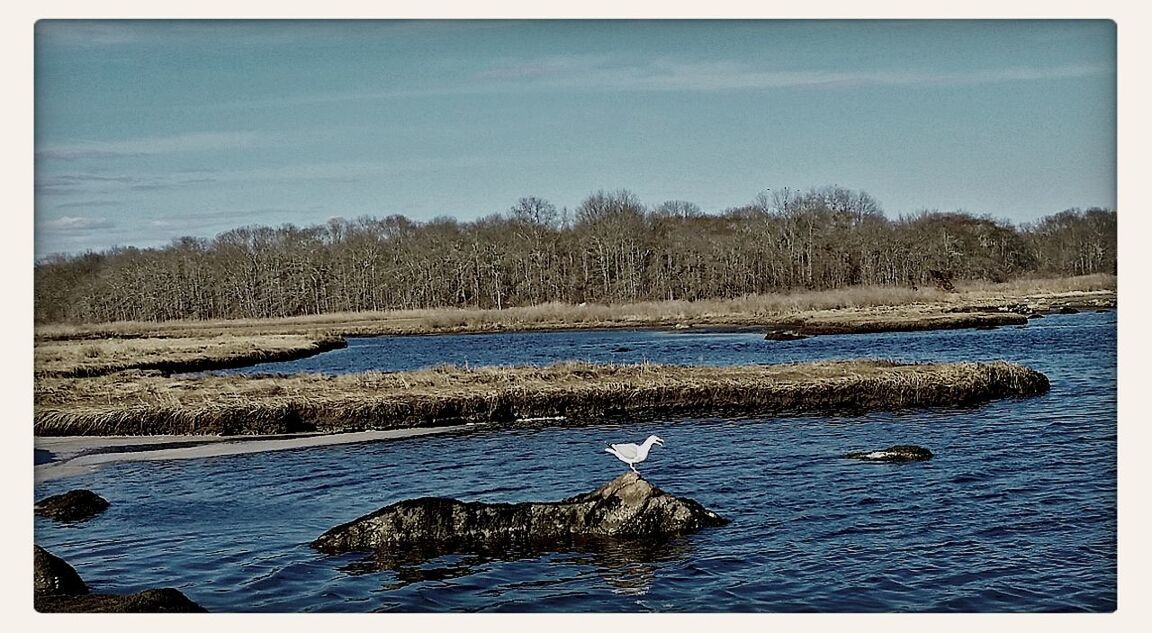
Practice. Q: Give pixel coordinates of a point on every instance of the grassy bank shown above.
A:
(754, 310)
(580, 393)
(87, 350)
(96, 357)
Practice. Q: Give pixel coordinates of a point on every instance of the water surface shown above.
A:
(1017, 511)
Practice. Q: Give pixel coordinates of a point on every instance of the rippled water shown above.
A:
(1017, 511)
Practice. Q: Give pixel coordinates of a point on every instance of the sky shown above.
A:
(146, 131)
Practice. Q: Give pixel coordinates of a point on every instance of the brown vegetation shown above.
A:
(768, 310)
(175, 346)
(95, 357)
(580, 393)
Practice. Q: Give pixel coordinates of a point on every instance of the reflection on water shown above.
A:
(628, 565)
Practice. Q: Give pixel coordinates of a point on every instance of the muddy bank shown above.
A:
(566, 393)
(76, 455)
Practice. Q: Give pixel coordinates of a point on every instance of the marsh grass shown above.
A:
(172, 346)
(86, 357)
(581, 393)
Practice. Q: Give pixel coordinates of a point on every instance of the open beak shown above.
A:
(660, 441)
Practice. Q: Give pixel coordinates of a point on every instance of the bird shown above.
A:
(633, 454)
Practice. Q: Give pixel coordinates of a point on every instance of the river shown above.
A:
(1015, 513)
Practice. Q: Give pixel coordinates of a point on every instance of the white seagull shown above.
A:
(633, 454)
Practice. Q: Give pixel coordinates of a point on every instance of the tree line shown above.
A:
(609, 249)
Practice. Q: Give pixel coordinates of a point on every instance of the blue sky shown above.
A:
(150, 130)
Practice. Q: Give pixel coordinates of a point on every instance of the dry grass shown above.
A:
(63, 350)
(580, 392)
(76, 358)
(749, 310)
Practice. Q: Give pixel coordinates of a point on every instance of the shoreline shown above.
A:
(176, 347)
(83, 454)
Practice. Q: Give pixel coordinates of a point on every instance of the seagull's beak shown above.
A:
(660, 441)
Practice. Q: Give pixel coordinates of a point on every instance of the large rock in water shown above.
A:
(148, 601)
(627, 507)
(59, 589)
(54, 577)
(74, 505)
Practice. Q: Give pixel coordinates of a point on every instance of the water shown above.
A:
(1015, 513)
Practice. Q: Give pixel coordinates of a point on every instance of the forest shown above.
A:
(610, 249)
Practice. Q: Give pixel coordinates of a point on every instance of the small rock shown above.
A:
(74, 505)
(898, 453)
(1035, 315)
(681, 326)
(622, 349)
(1067, 310)
(784, 335)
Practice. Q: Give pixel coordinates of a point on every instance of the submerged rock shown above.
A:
(627, 507)
(899, 453)
(784, 335)
(74, 505)
(1067, 310)
(59, 589)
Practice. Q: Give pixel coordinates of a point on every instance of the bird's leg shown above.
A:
(633, 467)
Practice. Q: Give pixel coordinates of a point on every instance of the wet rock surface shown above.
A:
(54, 577)
(59, 589)
(74, 505)
(627, 507)
(784, 335)
(898, 453)
(148, 601)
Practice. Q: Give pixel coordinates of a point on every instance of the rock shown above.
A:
(898, 453)
(74, 505)
(622, 349)
(165, 600)
(784, 335)
(59, 589)
(626, 507)
(681, 326)
(1067, 310)
(54, 577)
(1035, 315)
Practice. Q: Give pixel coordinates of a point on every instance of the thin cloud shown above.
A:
(593, 73)
(101, 184)
(71, 224)
(241, 33)
(598, 73)
(141, 147)
(88, 204)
